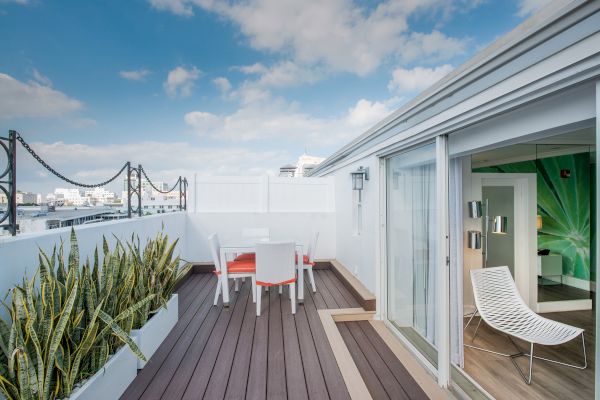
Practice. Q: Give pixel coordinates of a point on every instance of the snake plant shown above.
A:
(157, 272)
(69, 318)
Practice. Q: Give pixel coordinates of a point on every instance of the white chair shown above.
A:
(235, 269)
(256, 235)
(275, 265)
(308, 261)
(499, 304)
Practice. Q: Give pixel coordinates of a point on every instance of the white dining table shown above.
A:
(250, 247)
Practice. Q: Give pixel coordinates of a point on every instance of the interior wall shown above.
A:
(501, 247)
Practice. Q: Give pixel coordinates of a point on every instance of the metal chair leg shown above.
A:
(470, 319)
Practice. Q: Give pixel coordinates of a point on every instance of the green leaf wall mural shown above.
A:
(564, 205)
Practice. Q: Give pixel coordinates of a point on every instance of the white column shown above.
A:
(443, 262)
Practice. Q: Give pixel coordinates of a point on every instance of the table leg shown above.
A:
(300, 279)
(224, 280)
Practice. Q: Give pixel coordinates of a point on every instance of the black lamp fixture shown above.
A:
(358, 179)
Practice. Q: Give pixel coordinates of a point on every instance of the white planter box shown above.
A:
(151, 335)
(112, 380)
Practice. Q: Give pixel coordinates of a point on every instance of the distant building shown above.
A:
(66, 197)
(22, 198)
(146, 186)
(287, 170)
(302, 168)
(26, 198)
(99, 196)
(153, 201)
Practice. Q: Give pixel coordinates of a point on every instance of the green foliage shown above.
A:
(69, 318)
(157, 272)
(564, 205)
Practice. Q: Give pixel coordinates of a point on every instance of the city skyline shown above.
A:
(186, 86)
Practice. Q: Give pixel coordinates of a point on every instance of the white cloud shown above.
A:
(32, 99)
(180, 81)
(134, 75)
(44, 80)
(178, 7)
(286, 74)
(274, 118)
(527, 7)
(341, 35)
(95, 163)
(417, 79)
(366, 114)
(222, 84)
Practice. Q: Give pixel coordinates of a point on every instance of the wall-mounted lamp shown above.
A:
(500, 225)
(474, 237)
(538, 222)
(475, 209)
(358, 180)
(359, 177)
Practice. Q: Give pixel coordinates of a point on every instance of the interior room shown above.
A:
(529, 206)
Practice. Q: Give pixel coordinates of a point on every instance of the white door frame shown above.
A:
(525, 198)
(442, 372)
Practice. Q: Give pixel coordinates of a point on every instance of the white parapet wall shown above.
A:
(292, 208)
(19, 254)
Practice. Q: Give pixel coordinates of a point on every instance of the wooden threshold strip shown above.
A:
(416, 370)
(352, 377)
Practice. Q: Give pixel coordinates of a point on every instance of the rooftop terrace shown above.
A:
(228, 353)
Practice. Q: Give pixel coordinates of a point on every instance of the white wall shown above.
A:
(19, 254)
(358, 252)
(292, 208)
(260, 194)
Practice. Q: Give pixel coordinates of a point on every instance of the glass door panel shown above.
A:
(411, 247)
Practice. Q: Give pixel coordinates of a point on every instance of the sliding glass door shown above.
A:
(412, 272)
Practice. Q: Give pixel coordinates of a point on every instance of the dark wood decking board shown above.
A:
(229, 353)
(383, 373)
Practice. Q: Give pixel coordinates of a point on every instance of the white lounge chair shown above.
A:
(499, 304)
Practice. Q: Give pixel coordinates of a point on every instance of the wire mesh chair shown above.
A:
(500, 305)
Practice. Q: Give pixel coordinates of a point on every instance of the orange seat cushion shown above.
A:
(246, 257)
(241, 266)
(305, 260)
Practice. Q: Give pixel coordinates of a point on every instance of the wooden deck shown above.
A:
(499, 377)
(384, 375)
(216, 353)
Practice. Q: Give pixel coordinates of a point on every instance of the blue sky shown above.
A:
(220, 87)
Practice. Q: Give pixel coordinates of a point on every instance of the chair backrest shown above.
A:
(259, 234)
(495, 292)
(312, 247)
(213, 244)
(275, 263)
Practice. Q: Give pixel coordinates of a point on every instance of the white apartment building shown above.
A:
(69, 197)
(302, 168)
(99, 196)
(153, 201)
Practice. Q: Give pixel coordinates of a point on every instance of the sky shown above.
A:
(214, 87)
